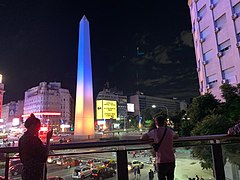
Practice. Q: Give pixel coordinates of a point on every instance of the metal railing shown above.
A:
(215, 141)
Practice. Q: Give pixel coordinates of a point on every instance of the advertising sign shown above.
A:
(106, 109)
(130, 107)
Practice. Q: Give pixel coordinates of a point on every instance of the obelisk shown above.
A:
(84, 114)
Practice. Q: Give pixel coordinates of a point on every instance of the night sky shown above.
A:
(39, 42)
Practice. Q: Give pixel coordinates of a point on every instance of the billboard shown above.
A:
(130, 107)
(106, 109)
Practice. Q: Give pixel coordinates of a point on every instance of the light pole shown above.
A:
(154, 106)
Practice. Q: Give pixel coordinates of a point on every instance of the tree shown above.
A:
(201, 106)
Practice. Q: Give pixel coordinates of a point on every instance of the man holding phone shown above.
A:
(33, 153)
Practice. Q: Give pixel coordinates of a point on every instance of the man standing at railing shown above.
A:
(165, 157)
(33, 153)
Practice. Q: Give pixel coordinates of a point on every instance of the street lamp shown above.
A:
(154, 106)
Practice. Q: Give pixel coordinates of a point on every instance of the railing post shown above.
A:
(218, 160)
(122, 165)
(6, 166)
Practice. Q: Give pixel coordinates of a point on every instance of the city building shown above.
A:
(142, 102)
(1, 95)
(50, 103)
(116, 111)
(216, 36)
(11, 114)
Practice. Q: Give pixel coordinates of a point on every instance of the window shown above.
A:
(221, 21)
(229, 74)
(204, 33)
(224, 46)
(202, 11)
(214, 2)
(212, 79)
(236, 8)
(238, 36)
(208, 55)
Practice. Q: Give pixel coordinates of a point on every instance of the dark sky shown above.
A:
(39, 41)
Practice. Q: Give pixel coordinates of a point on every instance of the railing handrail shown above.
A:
(106, 143)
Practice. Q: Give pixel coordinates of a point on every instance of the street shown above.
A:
(185, 166)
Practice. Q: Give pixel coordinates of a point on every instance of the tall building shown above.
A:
(1, 94)
(142, 102)
(216, 35)
(11, 114)
(50, 103)
(115, 95)
(84, 112)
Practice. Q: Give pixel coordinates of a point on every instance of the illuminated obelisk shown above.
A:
(84, 115)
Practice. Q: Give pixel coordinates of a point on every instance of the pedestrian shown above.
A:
(138, 172)
(165, 158)
(33, 153)
(135, 171)
(151, 175)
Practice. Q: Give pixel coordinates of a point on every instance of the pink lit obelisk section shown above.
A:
(84, 114)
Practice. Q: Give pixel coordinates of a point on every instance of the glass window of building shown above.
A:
(202, 11)
(212, 79)
(236, 8)
(229, 74)
(225, 46)
(204, 33)
(221, 21)
(214, 2)
(208, 55)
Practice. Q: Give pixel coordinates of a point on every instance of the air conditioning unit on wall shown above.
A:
(208, 86)
(202, 40)
(199, 18)
(219, 54)
(238, 44)
(234, 16)
(212, 6)
(225, 81)
(217, 29)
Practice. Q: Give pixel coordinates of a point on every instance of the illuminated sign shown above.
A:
(106, 109)
(130, 107)
(15, 122)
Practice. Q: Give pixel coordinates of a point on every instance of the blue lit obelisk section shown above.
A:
(84, 114)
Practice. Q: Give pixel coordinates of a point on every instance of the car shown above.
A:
(52, 159)
(16, 169)
(95, 162)
(13, 162)
(81, 172)
(135, 163)
(55, 178)
(70, 162)
(103, 172)
(110, 163)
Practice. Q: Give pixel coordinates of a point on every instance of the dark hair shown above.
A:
(32, 121)
(161, 120)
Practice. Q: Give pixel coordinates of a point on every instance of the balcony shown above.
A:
(121, 155)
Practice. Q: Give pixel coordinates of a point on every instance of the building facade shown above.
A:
(114, 95)
(142, 102)
(50, 103)
(11, 114)
(216, 35)
(1, 95)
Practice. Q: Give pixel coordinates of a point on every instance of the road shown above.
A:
(185, 166)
